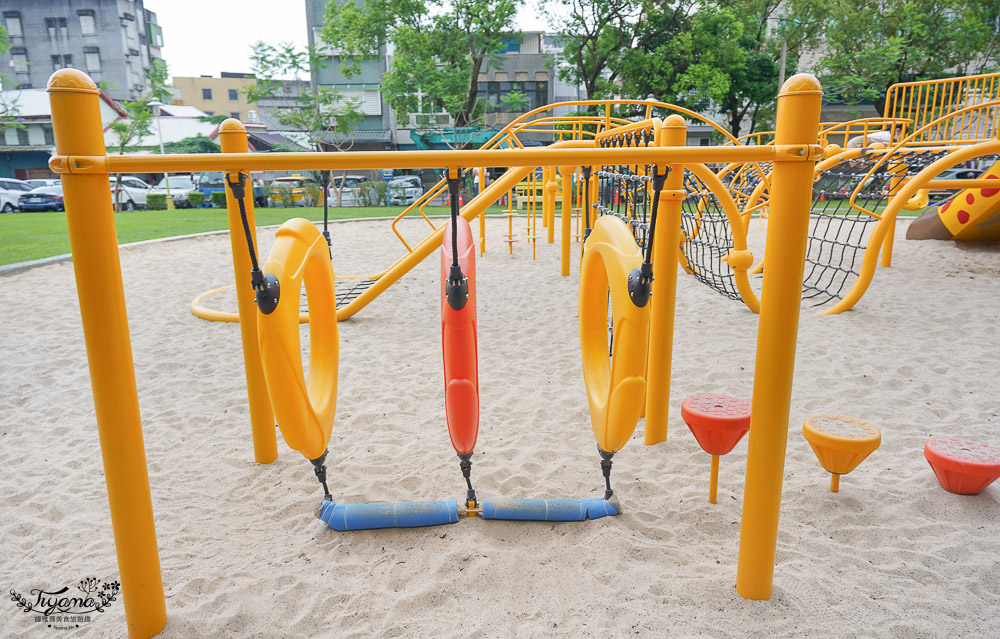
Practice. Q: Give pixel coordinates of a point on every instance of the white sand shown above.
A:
(891, 555)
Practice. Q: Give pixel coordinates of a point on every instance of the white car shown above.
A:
(405, 190)
(11, 191)
(42, 182)
(134, 192)
(180, 187)
(351, 195)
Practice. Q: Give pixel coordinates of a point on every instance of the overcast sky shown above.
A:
(206, 37)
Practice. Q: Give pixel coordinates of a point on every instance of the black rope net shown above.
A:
(624, 190)
(707, 238)
(839, 232)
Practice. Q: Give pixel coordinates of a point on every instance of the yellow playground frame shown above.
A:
(84, 166)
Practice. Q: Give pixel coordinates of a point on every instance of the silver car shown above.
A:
(405, 190)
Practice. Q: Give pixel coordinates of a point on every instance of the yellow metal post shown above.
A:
(665, 257)
(549, 203)
(233, 139)
(76, 121)
(482, 214)
(791, 186)
(567, 217)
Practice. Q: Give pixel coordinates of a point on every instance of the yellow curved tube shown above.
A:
(616, 387)
(304, 410)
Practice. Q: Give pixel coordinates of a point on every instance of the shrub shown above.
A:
(196, 198)
(315, 193)
(219, 199)
(281, 194)
(156, 201)
(381, 190)
(373, 193)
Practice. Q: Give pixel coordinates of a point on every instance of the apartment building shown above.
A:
(225, 95)
(114, 41)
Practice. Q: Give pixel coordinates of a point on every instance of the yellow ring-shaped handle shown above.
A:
(616, 388)
(304, 410)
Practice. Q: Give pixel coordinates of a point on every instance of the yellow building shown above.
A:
(218, 96)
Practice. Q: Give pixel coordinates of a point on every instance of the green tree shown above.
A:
(320, 113)
(720, 56)
(595, 35)
(137, 124)
(157, 80)
(9, 104)
(872, 45)
(440, 48)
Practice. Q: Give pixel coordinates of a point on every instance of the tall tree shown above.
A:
(440, 48)
(720, 56)
(326, 116)
(595, 36)
(137, 124)
(873, 44)
(158, 82)
(9, 104)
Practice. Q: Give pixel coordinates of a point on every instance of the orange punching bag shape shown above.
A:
(458, 340)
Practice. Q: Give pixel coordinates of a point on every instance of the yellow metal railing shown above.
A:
(928, 101)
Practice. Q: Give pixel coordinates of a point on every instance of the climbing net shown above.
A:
(625, 190)
(707, 238)
(839, 232)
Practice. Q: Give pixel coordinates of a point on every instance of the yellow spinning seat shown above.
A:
(840, 443)
(616, 388)
(304, 410)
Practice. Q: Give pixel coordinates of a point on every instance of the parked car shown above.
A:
(35, 183)
(180, 187)
(351, 194)
(11, 191)
(300, 191)
(953, 174)
(134, 192)
(405, 190)
(44, 198)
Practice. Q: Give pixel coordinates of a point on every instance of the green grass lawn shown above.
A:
(32, 236)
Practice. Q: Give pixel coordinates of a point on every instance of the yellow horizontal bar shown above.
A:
(424, 159)
(963, 184)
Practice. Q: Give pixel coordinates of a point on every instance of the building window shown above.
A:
(537, 93)
(61, 62)
(50, 139)
(56, 27)
(235, 115)
(87, 24)
(22, 137)
(93, 59)
(234, 94)
(20, 59)
(13, 20)
(206, 94)
(209, 112)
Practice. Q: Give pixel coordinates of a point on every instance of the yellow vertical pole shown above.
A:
(76, 122)
(899, 172)
(791, 192)
(713, 482)
(482, 214)
(549, 204)
(567, 217)
(666, 246)
(233, 139)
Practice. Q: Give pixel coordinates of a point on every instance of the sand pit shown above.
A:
(891, 555)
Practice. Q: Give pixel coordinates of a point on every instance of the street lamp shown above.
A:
(156, 104)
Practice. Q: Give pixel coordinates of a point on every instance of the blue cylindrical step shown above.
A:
(406, 514)
(550, 509)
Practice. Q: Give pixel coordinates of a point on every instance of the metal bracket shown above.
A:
(802, 152)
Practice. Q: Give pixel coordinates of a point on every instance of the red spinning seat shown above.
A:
(718, 423)
(963, 466)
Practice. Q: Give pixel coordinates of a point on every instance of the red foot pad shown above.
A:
(717, 421)
(963, 467)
